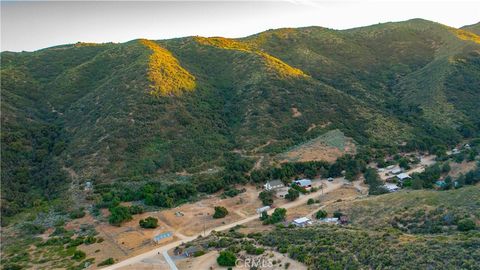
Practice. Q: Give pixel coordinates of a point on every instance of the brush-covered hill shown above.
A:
(142, 109)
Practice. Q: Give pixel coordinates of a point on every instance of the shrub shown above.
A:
(310, 201)
(78, 213)
(79, 255)
(226, 258)
(220, 212)
(198, 253)
(89, 240)
(466, 224)
(135, 209)
(31, 229)
(337, 214)
(108, 261)
(149, 223)
(321, 214)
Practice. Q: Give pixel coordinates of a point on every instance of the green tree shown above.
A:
(148, 223)
(292, 194)
(226, 258)
(220, 212)
(337, 214)
(466, 224)
(119, 214)
(266, 197)
(278, 215)
(321, 214)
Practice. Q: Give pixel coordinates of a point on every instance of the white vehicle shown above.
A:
(330, 179)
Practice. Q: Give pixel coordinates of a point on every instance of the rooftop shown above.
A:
(301, 220)
(403, 176)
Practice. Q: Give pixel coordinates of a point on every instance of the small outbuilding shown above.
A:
(263, 209)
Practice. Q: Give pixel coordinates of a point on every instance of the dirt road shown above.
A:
(330, 186)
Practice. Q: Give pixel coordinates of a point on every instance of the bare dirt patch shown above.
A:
(296, 112)
(461, 168)
(209, 261)
(326, 147)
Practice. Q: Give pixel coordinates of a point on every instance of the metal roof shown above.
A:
(303, 182)
(403, 176)
(301, 220)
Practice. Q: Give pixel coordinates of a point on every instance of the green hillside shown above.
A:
(143, 110)
(404, 230)
(474, 28)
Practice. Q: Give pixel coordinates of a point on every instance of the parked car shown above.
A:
(330, 179)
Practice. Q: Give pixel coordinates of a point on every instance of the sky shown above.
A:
(33, 25)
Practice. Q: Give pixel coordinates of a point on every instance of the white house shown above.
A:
(329, 220)
(391, 187)
(403, 176)
(302, 222)
(275, 184)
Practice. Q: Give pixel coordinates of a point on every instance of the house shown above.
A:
(302, 222)
(391, 187)
(403, 176)
(274, 184)
(441, 184)
(455, 151)
(329, 220)
(190, 251)
(305, 183)
(396, 171)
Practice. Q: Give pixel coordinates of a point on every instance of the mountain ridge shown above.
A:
(88, 107)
